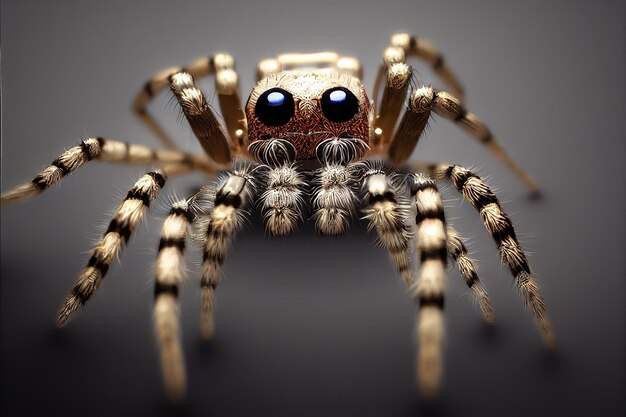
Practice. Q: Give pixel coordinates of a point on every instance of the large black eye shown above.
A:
(275, 107)
(339, 104)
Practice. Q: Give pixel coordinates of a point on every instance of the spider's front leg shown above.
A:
(170, 272)
(125, 220)
(430, 285)
(234, 194)
(386, 212)
(386, 215)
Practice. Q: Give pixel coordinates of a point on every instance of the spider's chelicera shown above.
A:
(308, 136)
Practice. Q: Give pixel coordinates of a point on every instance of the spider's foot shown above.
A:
(207, 327)
(70, 305)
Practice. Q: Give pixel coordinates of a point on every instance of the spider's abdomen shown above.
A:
(306, 107)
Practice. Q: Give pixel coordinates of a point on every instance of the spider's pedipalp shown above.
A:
(170, 272)
(334, 200)
(125, 220)
(282, 202)
(501, 229)
(430, 285)
(458, 252)
(233, 196)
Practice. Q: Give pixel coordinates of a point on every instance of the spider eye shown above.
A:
(339, 104)
(274, 107)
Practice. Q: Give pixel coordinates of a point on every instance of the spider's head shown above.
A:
(307, 107)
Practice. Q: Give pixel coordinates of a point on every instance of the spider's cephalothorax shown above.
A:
(306, 107)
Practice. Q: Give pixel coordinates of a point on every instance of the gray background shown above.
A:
(306, 325)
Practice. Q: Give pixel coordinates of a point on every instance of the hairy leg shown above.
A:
(430, 285)
(426, 100)
(234, 194)
(501, 230)
(125, 220)
(107, 150)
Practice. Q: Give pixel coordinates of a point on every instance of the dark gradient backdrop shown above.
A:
(310, 326)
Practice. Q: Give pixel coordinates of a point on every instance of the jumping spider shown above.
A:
(308, 122)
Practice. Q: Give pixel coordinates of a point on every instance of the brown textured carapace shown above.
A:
(308, 126)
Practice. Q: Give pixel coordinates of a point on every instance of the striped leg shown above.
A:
(231, 199)
(430, 286)
(458, 252)
(386, 215)
(170, 272)
(221, 65)
(426, 100)
(107, 150)
(125, 220)
(501, 229)
(334, 200)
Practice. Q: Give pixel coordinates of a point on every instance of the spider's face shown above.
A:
(307, 107)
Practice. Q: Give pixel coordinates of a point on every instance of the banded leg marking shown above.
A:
(106, 150)
(430, 286)
(170, 273)
(500, 227)
(386, 216)
(232, 197)
(458, 252)
(414, 121)
(125, 220)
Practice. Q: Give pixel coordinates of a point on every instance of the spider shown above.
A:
(308, 136)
